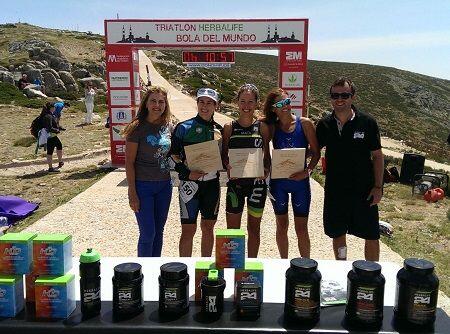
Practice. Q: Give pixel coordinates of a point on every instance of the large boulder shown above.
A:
(34, 74)
(7, 77)
(53, 84)
(52, 71)
(27, 67)
(80, 73)
(66, 77)
(3, 68)
(53, 56)
(97, 82)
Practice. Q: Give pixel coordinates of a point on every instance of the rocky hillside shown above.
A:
(408, 106)
(63, 60)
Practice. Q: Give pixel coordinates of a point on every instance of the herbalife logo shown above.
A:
(292, 78)
(12, 251)
(232, 245)
(52, 293)
(2, 293)
(49, 251)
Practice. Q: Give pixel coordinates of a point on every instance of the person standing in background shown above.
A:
(89, 97)
(147, 169)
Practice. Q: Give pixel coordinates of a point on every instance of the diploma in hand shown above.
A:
(246, 162)
(287, 161)
(204, 157)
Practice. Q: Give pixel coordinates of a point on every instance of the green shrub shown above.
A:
(25, 141)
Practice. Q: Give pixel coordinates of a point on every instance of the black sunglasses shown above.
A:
(343, 96)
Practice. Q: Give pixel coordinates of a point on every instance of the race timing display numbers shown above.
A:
(208, 57)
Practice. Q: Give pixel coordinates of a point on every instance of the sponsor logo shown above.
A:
(250, 278)
(232, 245)
(52, 293)
(119, 79)
(2, 293)
(358, 135)
(296, 97)
(120, 97)
(302, 293)
(118, 58)
(170, 295)
(364, 296)
(121, 115)
(292, 79)
(212, 304)
(49, 251)
(116, 132)
(124, 295)
(120, 149)
(293, 55)
(91, 296)
(422, 299)
(137, 97)
(248, 295)
(12, 251)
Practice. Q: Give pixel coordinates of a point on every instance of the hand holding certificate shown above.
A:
(204, 157)
(287, 161)
(246, 162)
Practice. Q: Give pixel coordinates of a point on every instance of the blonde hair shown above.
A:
(143, 111)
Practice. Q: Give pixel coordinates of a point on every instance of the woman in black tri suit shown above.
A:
(247, 132)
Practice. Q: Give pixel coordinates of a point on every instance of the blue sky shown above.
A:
(411, 35)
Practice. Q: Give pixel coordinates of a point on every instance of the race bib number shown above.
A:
(187, 190)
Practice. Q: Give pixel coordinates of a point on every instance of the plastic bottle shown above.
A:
(417, 293)
(302, 296)
(90, 294)
(365, 294)
(212, 287)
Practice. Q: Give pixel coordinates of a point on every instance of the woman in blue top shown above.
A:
(290, 131)
(147, 167)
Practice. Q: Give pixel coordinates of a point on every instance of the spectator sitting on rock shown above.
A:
(59, 106)
(23, 82)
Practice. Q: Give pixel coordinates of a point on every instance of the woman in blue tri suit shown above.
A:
(291, 131)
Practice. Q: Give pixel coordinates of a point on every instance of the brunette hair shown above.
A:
(143, 111)
(270, 117)
(341, 83)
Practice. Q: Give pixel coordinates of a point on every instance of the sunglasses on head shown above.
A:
(282, 103)
(343, 96)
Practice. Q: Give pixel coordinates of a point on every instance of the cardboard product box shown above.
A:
(16, 253)
(230, 248)
(52, 254)
(55, 296)
(253, 272)
(201, 270)
(11, 295)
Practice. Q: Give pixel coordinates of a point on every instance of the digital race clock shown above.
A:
(223, 57)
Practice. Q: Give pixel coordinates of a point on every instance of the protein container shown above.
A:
(173, 289)
(302, 297)
(365, 294)
(127, 290)
(417, 293)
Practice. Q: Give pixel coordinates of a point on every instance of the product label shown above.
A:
(91, 295)
(211, 304)
(366, 303)
(129, 298)
(174, 299)
(305, 299)
(416, 305)
(248, 296)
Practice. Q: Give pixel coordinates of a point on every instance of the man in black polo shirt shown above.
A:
(354, 173)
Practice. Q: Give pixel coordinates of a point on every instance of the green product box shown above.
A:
(253, 272)
(201, 270)
(230, 248)
(16, 253)
(55, 296)
(52, 254)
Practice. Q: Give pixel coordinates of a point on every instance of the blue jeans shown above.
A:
(154, 201)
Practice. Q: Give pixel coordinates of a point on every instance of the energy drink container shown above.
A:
(365, 294)
(90, 283)
(173, 289)
(212, 287)
(417, 293)
(302, 296)
(127, 290)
